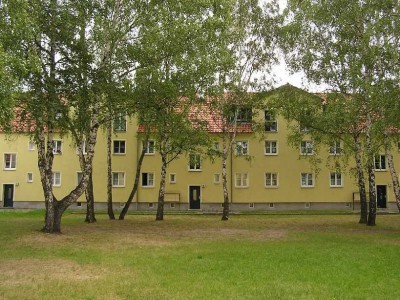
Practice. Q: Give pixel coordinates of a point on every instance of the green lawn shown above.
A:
(200, 257)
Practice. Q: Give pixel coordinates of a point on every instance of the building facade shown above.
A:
(264, 173)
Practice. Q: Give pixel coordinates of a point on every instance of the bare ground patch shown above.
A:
(35, 271)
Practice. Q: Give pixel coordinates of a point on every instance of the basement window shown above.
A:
(307, 205)
(172, 205)
(79, 204)
(271, 205)
(151, 205)
(251, 205)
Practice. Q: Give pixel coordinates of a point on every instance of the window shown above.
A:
(251, 205)
(380, 162)
(149, 147)
(242, 180)
(10, 161)
(216, 146)
(83, 148)
(303, 127)
(172, 178)
(29, 177)
(335, 149)
(148, 179)
(194, 162)
(217, 178)
(118, 179)
(244, 115)
(271, 125)
(306, 148)
(31, 146)
(57, 147)
(336, 179)
(120, 122)
(119, 147)
(307, 180)
(56, 179)
(79, 177)
(271, 147)
(271, 179)
(242, 148)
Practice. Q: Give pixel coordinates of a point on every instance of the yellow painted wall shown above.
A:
(287, 163)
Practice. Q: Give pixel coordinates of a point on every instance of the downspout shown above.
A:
(231, 179)
(137, 161)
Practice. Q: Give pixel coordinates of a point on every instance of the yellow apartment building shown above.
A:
(276, 177)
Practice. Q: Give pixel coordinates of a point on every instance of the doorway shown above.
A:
(194, 197)
(8, 195)
(381, 196)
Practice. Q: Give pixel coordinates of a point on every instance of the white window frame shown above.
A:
(271, 123)
(270, 181)
(172, 178)
(150, 179)
(195, 163)
(29, 177)
(84, 151)
(303, 128)
(380, 163)
(57, 147)
(120, 118)
(56, 179)
(306, 148)
(149, 150)
(217, 178)
(120, 177)
(242, 180)
(242, 148)
(335, 148)
(305, 179)
(11, 164)
(31, 146)
(269, 147)
(78, 174)
(119, 147)
(335, 179)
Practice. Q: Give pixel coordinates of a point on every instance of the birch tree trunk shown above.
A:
(89, 193)
(393, 173)
(135, 185)
(161, 192)
(371, 174)
(361, 182)
(110, 210)
(226, 208)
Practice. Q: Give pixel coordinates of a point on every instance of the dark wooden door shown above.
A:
(381, 195)
(8, 195)
(194, 197)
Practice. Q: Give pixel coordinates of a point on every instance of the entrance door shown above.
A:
(381, 196)
(8, 195)
(194, 197)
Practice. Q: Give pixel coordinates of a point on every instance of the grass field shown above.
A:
(200, 257)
